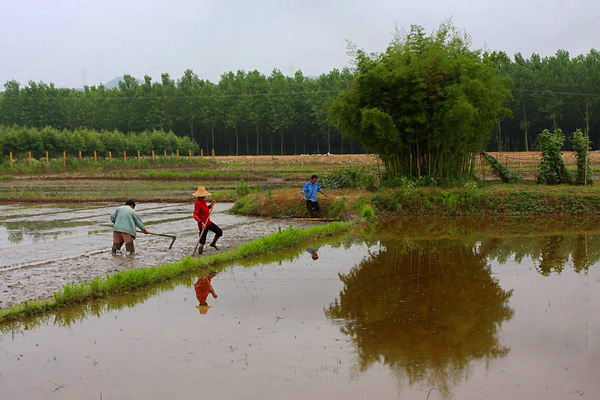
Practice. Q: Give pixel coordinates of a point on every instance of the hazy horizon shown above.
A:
(94, 42)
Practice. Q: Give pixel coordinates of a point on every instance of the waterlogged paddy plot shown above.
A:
(44, 248)
(425, 308)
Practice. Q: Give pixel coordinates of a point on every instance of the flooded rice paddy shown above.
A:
(463, 308)
(42, 249)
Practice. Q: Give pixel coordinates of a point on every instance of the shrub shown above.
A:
(506, 175)
(552, 168)
(581, 145)
(242, 190)
(348, 178)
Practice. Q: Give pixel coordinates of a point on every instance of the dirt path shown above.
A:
(45, 248)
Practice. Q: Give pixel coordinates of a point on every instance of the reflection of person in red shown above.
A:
(203, 287)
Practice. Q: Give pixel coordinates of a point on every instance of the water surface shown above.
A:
(423, 308)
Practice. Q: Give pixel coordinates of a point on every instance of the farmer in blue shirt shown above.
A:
(309, 194)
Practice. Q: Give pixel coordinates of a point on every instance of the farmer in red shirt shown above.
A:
(202, 215)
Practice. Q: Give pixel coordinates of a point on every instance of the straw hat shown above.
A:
(201, 192)
(203, 309)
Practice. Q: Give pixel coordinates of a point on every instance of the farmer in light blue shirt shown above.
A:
(309, 194)
(125, 220)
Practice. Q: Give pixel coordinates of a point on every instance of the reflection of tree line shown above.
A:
(551, 253)
(38, 229)
(426, 309)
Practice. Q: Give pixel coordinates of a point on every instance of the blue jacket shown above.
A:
(310, 191)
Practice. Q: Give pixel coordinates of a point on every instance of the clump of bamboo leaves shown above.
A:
(552, 170)
(426, 106)
(506, 175)
(581, 145)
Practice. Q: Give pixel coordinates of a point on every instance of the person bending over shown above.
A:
(125, 220)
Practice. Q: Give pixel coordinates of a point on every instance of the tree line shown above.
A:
(554, 92)
(22, 140)
(245, 113)
(252, 113)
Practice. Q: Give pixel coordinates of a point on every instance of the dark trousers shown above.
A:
(213, 228)
(313, 208)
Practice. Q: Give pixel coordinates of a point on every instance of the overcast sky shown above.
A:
(71, 42)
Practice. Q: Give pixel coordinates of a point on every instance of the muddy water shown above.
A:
(42, 249)
(434, 309)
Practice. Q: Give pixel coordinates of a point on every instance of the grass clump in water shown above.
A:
(125, 281)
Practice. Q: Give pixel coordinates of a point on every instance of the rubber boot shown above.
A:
(200, 249)
(116, 246)
(130, 248)
(214, 243)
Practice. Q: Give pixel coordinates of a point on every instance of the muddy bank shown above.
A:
(493, 199)
(45, 248)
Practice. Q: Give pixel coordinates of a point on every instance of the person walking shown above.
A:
(202, 212)
(125, 220)
(309, 194)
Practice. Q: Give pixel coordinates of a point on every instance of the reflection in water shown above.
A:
(552, 253)
(203, 288)
(313, 252)
(426, 309)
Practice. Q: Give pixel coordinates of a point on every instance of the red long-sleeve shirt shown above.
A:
(202, 287)
(201, 212)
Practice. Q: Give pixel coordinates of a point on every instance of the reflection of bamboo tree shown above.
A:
(426, 310)
(554, 255)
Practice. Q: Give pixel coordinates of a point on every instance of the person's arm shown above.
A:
(212, 291)
(212, 203)
(113, 216)
(138, 222)
(319, 190)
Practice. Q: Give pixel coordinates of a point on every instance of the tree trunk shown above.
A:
(318, 149)
(212, 131)
(304, 142)
(525, 120)
(257, 140)
(499, 137)
(328, 142)
(281, 132)
(342, 145)
(247, 143)
(237, 142)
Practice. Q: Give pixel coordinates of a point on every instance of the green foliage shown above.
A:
(244, 113)
(242, 190)
(581, 145)
(20, 140)
(367, 213)
(337, 209)
(552, 168)
(348, 178)
(506, 175)
(425, 106)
